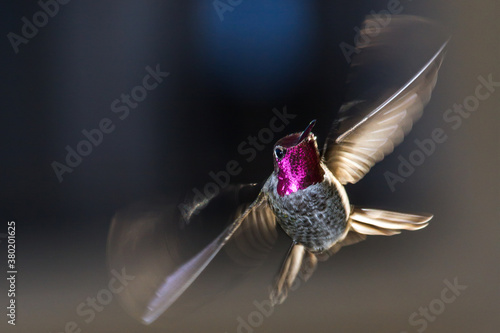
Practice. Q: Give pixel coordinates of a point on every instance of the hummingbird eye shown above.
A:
(279, 152)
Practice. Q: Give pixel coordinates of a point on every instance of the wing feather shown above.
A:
(165, 252)
(176, 283)
(355, 150)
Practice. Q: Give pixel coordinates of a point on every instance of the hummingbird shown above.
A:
(305, 194)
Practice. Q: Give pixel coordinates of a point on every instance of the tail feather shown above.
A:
(367, 229)
(382, 222)
(298, 263)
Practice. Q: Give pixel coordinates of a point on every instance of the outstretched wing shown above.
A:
(369, 127)
(166, 253)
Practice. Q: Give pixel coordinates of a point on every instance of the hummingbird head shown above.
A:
(297, 161)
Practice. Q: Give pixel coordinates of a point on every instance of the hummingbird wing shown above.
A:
(254, 239)
(374, 121)
(166, 253)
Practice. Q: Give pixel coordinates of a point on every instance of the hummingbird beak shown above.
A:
(306, 132)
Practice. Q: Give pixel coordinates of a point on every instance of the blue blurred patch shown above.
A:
(260, 48)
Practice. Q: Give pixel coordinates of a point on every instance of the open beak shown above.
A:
(306, 132)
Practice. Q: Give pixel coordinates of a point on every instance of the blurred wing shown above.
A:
(162, 251)
(176, 283)
(367, 130)
(254, 239)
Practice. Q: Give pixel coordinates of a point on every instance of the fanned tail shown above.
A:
(299, 262)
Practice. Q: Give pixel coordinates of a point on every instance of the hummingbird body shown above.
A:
(307, 197)
(309, 203)
(315, 217)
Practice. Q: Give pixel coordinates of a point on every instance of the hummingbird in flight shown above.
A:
(305, 194)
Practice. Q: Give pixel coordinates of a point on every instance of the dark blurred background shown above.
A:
(226, 76)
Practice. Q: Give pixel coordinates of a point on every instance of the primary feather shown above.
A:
(368, 130)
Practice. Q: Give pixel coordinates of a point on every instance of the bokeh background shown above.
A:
(225, 78)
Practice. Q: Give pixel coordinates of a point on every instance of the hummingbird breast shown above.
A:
(316, 216)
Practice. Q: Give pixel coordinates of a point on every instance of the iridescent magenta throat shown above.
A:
(299, 168)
